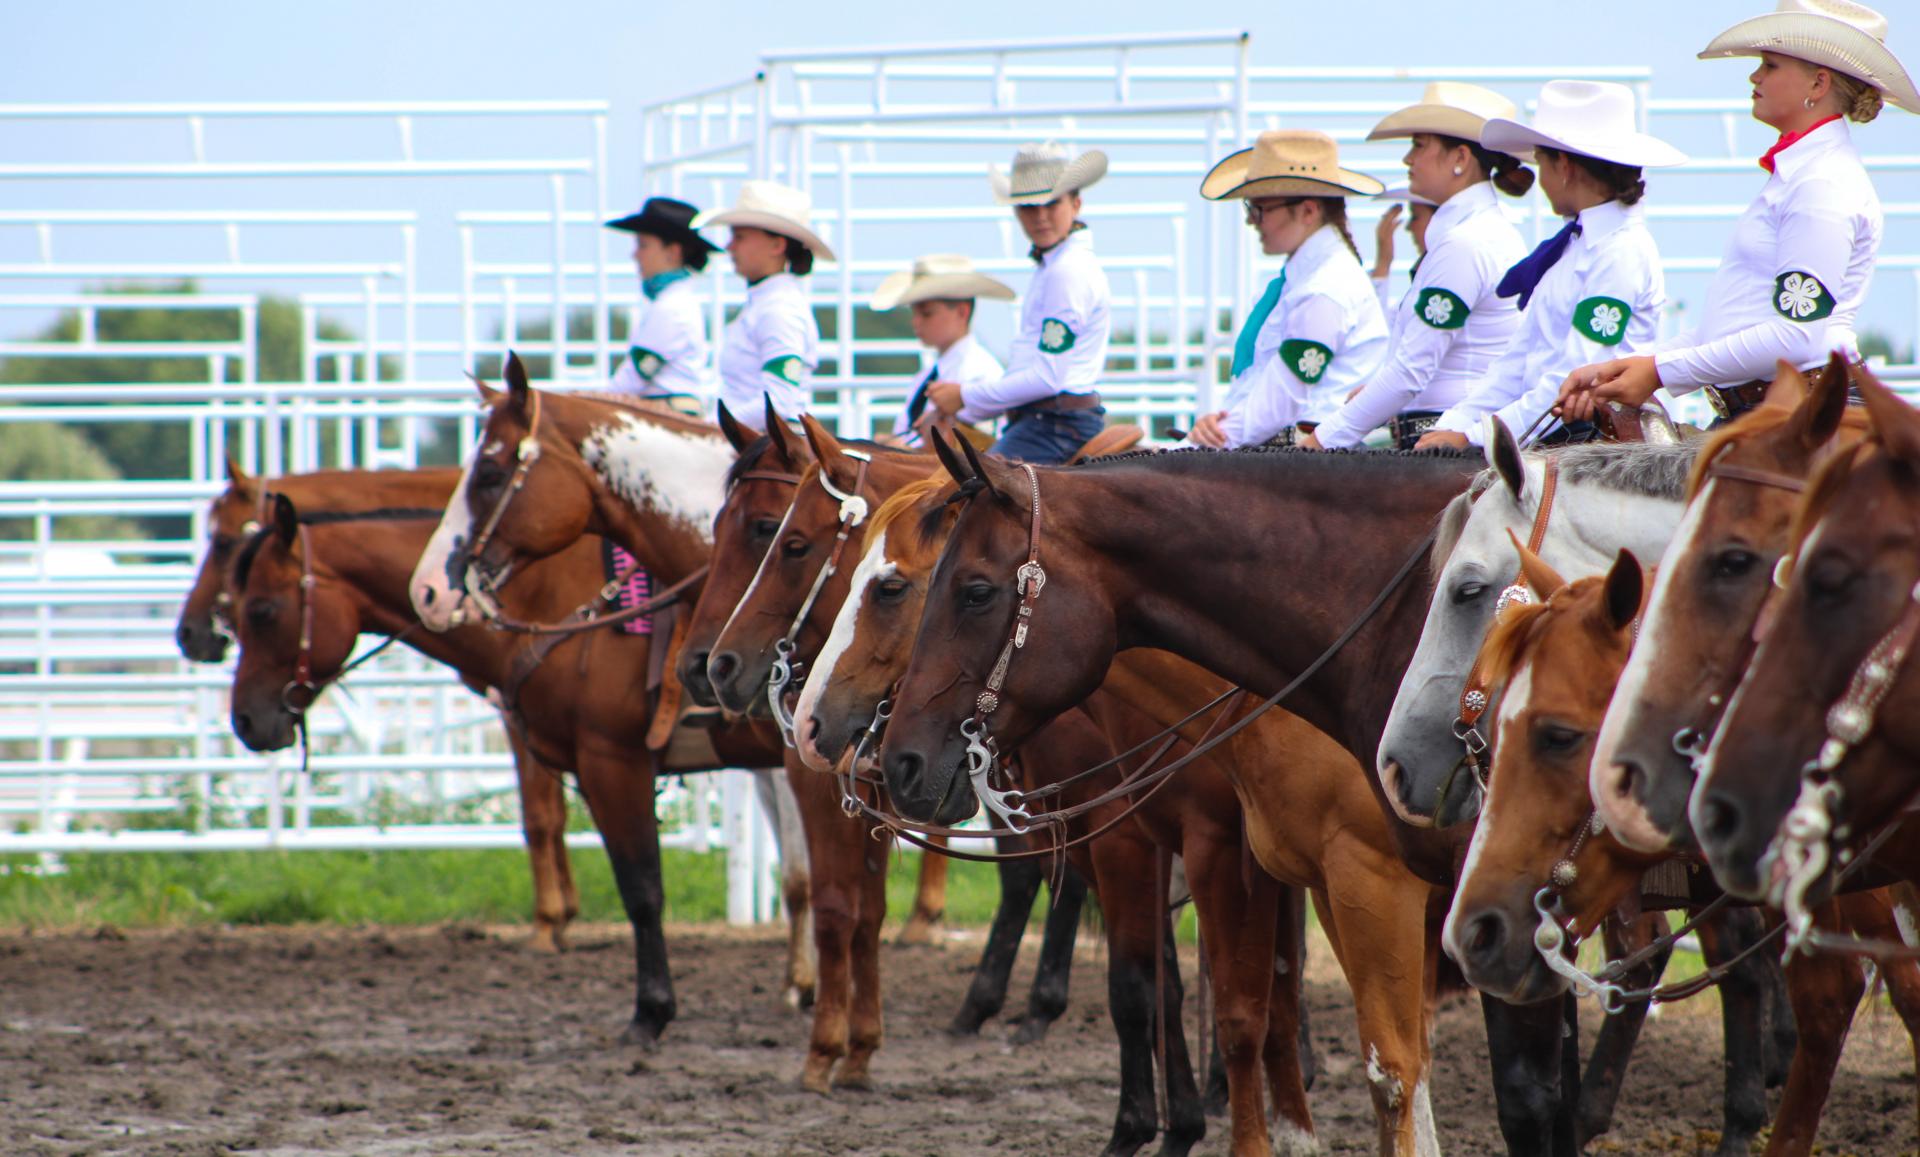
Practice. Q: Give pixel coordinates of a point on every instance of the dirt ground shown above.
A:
(461, 1040)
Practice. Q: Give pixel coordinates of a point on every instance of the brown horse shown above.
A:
(1555, 662)
(585, 710)
(1746, 484)
(1308, 819)
(1823, 727)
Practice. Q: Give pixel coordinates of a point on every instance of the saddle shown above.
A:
(1112, 440)
(1647, 423)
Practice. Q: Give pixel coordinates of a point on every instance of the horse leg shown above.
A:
(1825, 989)
(1613, 1047)
(1186, 1118)
(1288, 1052)
(836, 855)
(543, 819)
(1902, 977)
(1047, 999)
(1743, 1013)
(620, 796)
(796, 881)
(1122, 863)
(865, 1027)
(929, 899)
(1019, 884)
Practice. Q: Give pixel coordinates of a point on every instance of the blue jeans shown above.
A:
(1048, 438)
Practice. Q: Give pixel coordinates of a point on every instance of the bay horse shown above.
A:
(1538, 857)
(1155, 550)
(1815, 755)
(584, 710)
(1307, 818)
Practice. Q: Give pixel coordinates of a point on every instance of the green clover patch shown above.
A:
(1056, 337)
(1441, 308)
(788, 369)
(1307, 359)
(1799, 296)
(646, 363)
(1602, 319)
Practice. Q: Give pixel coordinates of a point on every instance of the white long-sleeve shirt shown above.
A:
(1794, 272)
(1064, 326)
(772, 347)
(669, 353)
(966, 362)
(1325, 335)
(1450, 326)
(1601, 300)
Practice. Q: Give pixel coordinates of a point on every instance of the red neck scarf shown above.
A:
(1787, 141)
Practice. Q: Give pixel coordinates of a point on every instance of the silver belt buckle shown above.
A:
(1718, 401)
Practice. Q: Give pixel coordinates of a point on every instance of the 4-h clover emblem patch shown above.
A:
(1056, 337)
(1441, 308)
(1799, 296)
(1602, 319)
(788, 369)
(1307, 359)
(646, 363)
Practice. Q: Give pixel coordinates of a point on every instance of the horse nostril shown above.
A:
(426, 596)
(721, 667)
(1628, 779)
(905, 770)
(1486, 935)
(1719, 817)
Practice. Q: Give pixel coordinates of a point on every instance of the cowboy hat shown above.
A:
(1404, 192)
(773, 207)
(1836, 34)
(1448, 108)
(1589, 117)
(667, 219)
(1286, 163)
(1043, 173)
(938, 277)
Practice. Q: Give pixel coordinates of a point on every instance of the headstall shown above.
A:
(481, 586)
(982, 752)
(786, 669)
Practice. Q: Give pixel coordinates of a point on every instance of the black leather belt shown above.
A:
(1291, 435)
(1406, 427)
(1733, 401)
(1058, 404)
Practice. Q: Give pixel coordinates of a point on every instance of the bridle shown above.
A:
(786, 668)
(982, 751)
(482, 586)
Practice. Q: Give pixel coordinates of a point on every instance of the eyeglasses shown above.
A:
(1258, 209)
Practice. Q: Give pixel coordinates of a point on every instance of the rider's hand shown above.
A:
(1442, 440)
(946, 396)
(1383, 242)
(1208, 431)
(1629, 381)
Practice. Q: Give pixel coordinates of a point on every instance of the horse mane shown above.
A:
(1453, 523)
(1827, 479)
(1652, 469)
(748, 459)
(1761, 420)
(928, 529)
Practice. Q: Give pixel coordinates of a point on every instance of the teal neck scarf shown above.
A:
(651, 286)
(1250, 332)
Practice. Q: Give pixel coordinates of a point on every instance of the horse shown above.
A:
(1308, 820)
(1538, 857)
(585, 711)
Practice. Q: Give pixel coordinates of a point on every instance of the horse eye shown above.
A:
(1733, 563)
(223, 544)
(891, 589)
(262, 612)
(488, 474)
(766, 528)
(795, 547)
(1552, 738)
(1830, 582)
(976, 594)
(1467, 592)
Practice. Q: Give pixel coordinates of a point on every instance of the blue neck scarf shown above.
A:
(1250, 332)
(651, 286)
(1526, 273)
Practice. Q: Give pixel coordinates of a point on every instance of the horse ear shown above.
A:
(826, 447)
(944, 451)
(737, 436)
(1789, 388)
(1626, 583)
(286, 520)
(519, 391)
(1896, 425)
(980, 468)
(780, 434)
(1819, 416)
(488, 395)
(237, 474)
(1503, 454)
(1542, 578)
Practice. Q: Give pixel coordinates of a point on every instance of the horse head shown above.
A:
(201, 632)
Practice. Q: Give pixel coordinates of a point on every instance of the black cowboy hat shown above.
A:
(669, 220)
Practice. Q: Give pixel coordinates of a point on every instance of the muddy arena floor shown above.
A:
(462, 1040)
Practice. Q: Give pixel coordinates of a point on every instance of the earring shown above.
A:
(1458, 171)
(1808, 102)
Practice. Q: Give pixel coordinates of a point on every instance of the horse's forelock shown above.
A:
(243, 565)
(925, 530)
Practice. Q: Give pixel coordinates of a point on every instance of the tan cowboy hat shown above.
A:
(1043, 173)
(1836, 34)
(938, 277)
(1448, 108)
(1286, 163)
(774, 207)
(1589, 117)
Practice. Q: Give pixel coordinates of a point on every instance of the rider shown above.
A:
(1595, 285)
(1048, 393)
(772, 345)
(1317, 331)
(1800, 258)
(670, 358)
(1451, 326)
(1419, 212)
(942, 289)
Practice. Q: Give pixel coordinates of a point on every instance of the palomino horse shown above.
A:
(1745, 487)
(1308, 819)
(585, 711)
(1539, 861)
(1816, 754)
(1184, 552)
(202, 636)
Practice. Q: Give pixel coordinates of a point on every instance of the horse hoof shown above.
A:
(919, 931)
(963, 1029)
(1030, 1030)
(642, 1036)
(860, 1082)
(815, 1078)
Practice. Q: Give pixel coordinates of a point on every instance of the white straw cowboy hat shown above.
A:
(774, 207)
(1836, 34)
(938, 277)
(1589, 117)
(1404, 192)
(1286, 163)
(1043, 173)
(1448, 108)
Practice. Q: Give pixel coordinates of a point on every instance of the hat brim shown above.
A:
(1438, 119)
(771, 222)
(1634, 148)
(661, 228)
(1823, 41)
(903, 288)
(1083, 172)
(1228, 182)
(1401, 192)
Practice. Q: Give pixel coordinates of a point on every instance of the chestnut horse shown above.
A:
(1308, 819)
(1537, 855)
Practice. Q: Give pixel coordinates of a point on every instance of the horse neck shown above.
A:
(1590, 524)
(1252, 568)
(657, 483)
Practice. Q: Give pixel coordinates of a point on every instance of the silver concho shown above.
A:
(1513, 596)
(1564, 874)
(1476, 700)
